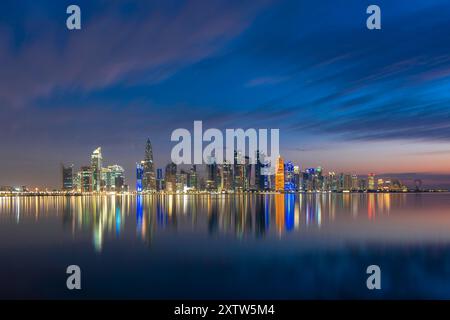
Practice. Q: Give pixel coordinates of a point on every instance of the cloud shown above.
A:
(114, 48)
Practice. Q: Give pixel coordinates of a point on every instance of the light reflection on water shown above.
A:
(174, 239)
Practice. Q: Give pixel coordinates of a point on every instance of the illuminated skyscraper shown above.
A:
(212, 177)
(139, 176)
(239, 171)
(371, 182)
(347, 182)
(149, 180)
(159, 179)
(96, 167)
(86, 179)
(171, 177)
(279, 176)
(116, 179)
(67, 178)
(355, 183)
(289, 183)
(193, 178)
(226, 177)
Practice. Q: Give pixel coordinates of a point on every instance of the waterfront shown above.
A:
(226, 246)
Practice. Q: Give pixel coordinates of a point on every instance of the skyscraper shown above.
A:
(67, 178)
(171, 177)
(149, 181)
(159, 179)
(279, 176)
(211, 179)
(193, 178)
(139, 176)
(96, 167)
(86, 179)
(226, 177)
(371, 182)
(289, 180)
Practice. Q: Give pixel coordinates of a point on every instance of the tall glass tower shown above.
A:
(96, 167)
(149, 179)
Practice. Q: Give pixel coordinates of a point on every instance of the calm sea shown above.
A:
(226, 246)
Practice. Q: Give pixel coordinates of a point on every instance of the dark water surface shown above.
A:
(230, 247)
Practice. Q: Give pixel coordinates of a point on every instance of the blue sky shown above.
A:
(344, 97)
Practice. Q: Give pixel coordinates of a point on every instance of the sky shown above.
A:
(344, 97)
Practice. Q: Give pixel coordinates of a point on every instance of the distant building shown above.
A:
(371, 182)
(171, 177)
(159, 180)
(139, 176)
(67, 178)
(86, 182)
(96, 167)
(279, 176)
(149, 181)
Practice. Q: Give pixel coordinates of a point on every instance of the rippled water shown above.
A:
(226, 246)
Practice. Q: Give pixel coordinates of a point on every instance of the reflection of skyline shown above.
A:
(240, 216)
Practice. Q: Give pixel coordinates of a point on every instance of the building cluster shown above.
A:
(244, 176)
(94, 177)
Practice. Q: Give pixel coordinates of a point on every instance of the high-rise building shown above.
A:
(67, 178)
(347, 182)
(86, 182)
(159, 179)
(193, 178)
(355, 182)
(371, 182)
(289, 180)
(226, 177)
(171, 177)
(96, 167)
(247, 173)
(258, 168)
(239, 171)
(114, 179)
(211, 174)
(149, 180)
(279, 176)
(182, 181)
(139, 176)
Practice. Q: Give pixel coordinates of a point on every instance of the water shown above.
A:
(226, 247)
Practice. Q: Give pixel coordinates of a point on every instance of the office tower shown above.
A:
(181, 181)
(226, 177)
(371, 182)
(355, 182)
(362, 185)
(193, 178)
(380, 184)
(238, 171)
(211, 174)
(333, 180)
(67, 178)
(171, 177)
(347, 182)
(116, 179)
(159, 180)
(96, 167)
(289, 183)
(139, 176)
(279, 176)
(247, 173)
(86, 176)
(149, 181)
(297, 178)
(258, 168)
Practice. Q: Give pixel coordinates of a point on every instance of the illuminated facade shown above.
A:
(96, 167)
(279, 176)
(149, 180)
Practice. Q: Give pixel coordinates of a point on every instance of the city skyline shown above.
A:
(321, 79)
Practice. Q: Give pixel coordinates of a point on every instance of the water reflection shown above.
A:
(242, 216)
